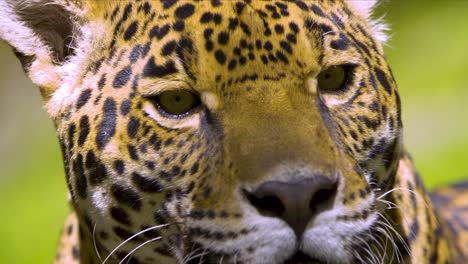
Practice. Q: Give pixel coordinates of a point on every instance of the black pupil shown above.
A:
(178, 98)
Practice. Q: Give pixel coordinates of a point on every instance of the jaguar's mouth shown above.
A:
(297, 258)
(301, 258)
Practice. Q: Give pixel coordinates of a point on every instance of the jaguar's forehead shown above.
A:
(215, 44)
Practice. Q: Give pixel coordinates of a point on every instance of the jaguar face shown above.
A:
(238, 132)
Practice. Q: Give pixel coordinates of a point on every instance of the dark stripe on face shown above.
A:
(119, 166)
(71, 136)
(146, 184)
(168, 48)
(84, 130)
(102, 81)
(318, 11)
(83, 99)
(120, 215)
(132, 127)
(81, 184)
(342, 43)
(126, 196)
(122, 77)
(107, 127)
(184, 11)
(97, 173)
(124, 234)
(125, 107)
(382, 77)
(131, 31)
(153, 70)
(159, 32)
(132, 151)
(135, 53)
(414, 231)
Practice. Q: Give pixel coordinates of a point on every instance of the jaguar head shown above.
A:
(247, 131)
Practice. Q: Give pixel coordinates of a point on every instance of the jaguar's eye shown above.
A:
(177, 103)
(332, 79)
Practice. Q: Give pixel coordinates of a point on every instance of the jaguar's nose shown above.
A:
(294, 202)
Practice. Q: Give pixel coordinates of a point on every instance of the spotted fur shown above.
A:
(147, 188)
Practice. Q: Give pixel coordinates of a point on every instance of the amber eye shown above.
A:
(177, 103)
(332, 79)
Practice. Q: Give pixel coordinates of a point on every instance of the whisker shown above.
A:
(178, 255)
(418, 195)
(202, 255)
(379, 248)
(367, 248)
(391, 205)
(386, 234)
(138, 247)
(389, 227)
(95, 243)
(194, 256)
(190, 255)
(132, 237)
(370, 255)
(357, 256)
(384, 231)
(380, 228)
(400, 238)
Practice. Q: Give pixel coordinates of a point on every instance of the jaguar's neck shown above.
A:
(422, 236)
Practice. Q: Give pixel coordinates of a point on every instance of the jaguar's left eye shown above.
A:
(177, 103)
(333, 78)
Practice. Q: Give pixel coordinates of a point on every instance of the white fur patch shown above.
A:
(89, 39)
(27, 40)
(364, 8)
(15, 32)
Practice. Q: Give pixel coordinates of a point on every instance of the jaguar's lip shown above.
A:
(301, 258)
(298, 258)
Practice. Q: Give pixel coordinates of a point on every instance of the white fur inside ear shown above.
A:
(364, 8)
(14, 32)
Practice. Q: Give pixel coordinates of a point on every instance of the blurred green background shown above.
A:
(428, 52)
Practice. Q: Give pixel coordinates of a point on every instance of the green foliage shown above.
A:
(33, 201)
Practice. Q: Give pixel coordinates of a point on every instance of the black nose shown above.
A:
(294, 202)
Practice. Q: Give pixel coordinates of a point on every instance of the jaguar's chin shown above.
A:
(301, 258)
(298, 257)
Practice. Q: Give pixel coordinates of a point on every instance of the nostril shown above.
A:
(295, 202)
(268, 205)
(322, 198)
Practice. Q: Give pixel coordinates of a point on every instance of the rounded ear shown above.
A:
(365, 8)
(41, 34)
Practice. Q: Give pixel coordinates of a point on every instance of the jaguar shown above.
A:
(230, 132)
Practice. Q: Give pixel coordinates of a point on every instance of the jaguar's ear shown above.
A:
(365, 8)
(41, 33)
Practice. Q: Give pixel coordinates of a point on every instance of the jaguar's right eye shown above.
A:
(177, 103)
(333, 79)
